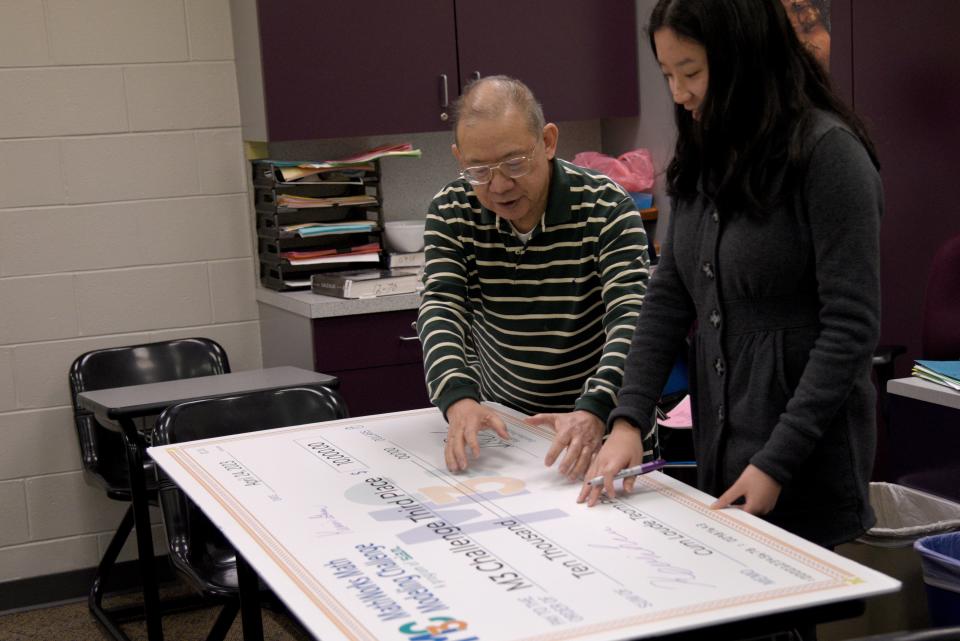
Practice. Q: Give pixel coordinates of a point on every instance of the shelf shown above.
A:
(271, 217)
(310, 305)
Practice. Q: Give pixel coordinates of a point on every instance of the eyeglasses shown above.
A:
(515, 167)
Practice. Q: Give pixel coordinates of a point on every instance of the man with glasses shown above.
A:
(535, 274)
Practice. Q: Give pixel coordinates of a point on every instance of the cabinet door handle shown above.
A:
(475, 75)
(408, 338)
(444, 92)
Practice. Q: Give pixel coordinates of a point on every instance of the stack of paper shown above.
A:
(368, 253)
(680, 417)
(384, 151)
(293, 170)
(306, 202)
(946, 373)
(306, 230)
(340, 174)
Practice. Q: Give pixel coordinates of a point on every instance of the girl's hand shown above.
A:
(623, 448)
(757, 488)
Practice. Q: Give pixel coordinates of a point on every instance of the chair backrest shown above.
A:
(102, 449)
(196, 546)
(940, 338)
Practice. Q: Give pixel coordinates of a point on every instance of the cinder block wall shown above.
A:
(123, 218)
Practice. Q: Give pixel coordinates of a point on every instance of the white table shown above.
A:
(357, 526)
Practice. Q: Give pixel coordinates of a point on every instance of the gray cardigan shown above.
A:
(786, 310)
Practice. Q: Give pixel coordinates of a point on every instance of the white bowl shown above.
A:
(404, 235)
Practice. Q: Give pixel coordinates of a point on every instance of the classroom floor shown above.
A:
(74, 622)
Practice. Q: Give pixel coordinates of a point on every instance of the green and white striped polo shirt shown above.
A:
(543, 327)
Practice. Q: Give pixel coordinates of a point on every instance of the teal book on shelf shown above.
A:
(946, 373)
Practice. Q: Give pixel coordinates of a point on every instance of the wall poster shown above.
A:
(811, 21)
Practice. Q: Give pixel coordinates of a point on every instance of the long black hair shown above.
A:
(763, 86)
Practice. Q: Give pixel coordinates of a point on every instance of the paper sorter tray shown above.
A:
(264, 173)
(270, 250)
(266, 199)
(269, 224)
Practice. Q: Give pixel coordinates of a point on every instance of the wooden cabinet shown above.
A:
(377, 358)
(375, 355)
(366, 67)
(578, 56)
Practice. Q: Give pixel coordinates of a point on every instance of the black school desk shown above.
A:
(117, 408)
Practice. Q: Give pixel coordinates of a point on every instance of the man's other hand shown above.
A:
(465, 419)
(580, 433)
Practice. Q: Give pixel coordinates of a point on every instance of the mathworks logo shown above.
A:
(440, 629)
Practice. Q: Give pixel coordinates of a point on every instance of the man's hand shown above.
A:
(624, 448)
(465, 419)
(757, 488)
(579, 432)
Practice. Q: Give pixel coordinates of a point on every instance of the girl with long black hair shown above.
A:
(772, 256)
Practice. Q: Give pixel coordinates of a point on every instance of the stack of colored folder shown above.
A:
(946, 373)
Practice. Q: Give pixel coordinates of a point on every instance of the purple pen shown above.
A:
(636, 470)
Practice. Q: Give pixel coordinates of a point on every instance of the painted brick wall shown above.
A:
(123, 219)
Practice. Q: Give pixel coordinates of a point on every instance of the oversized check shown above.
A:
(357, 525)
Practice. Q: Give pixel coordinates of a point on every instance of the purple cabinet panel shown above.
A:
(364, 67)
(365, 340)
(578, 56)
(384, 389)
(377, 358)
(368, 67)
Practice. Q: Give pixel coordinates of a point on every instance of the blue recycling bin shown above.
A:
(940, 560)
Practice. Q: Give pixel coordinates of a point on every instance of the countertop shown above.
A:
(309, 305)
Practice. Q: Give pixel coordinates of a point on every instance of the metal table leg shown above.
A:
(141, 517)
(250, 613)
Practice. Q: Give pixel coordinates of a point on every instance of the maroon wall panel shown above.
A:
(841, 48)
(906, 80)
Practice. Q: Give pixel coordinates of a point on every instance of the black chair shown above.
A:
(102, 450)
(197, 547)
(884, 361)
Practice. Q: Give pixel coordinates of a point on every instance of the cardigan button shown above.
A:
(707, 269)
(719, 367)
(715, 319)
(720, 414)
(715, 216)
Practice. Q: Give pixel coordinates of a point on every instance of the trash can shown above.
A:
(904, 516)
(940, 560)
